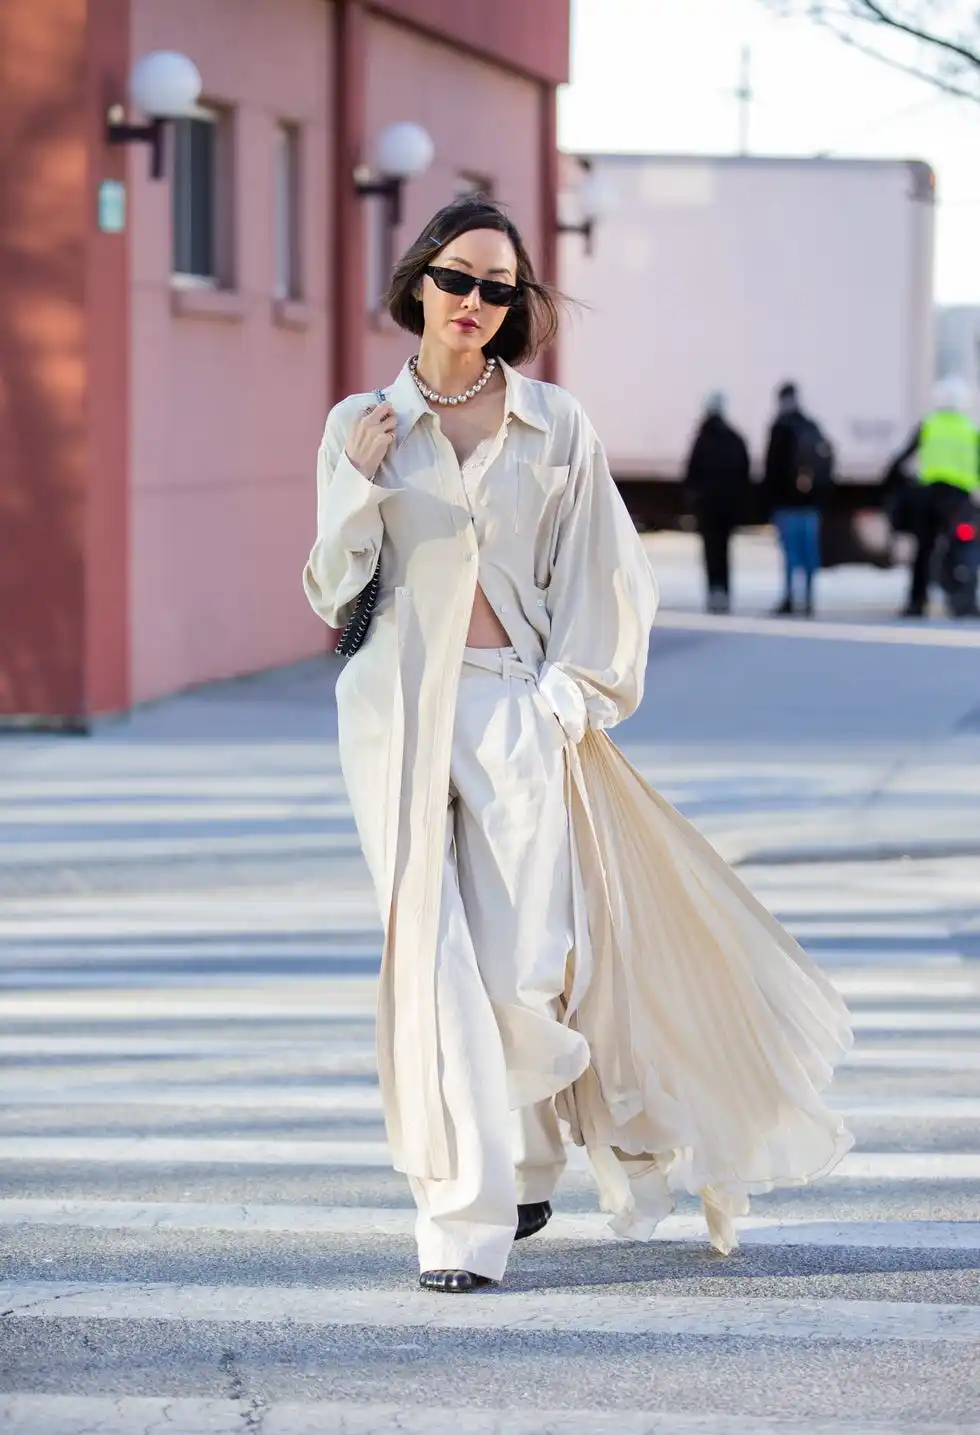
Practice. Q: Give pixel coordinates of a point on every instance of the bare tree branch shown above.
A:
(879, 14)
(916, 73)
(936, 44)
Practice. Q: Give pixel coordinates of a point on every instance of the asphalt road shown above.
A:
(199, 1230)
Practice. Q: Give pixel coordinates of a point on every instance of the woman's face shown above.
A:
(465, 323)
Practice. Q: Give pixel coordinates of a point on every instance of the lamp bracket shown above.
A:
(151, 133)
(585, 229)
(390, 188)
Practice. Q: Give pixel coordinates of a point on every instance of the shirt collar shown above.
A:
(522, 400)
(408, 403)
(525, 400)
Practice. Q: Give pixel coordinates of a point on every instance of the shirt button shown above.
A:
(540, 602)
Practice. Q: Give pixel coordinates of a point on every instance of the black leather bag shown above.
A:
(356, 627)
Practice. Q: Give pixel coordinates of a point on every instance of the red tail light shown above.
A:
(966, 532)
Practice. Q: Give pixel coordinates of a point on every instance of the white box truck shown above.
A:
(738, 274)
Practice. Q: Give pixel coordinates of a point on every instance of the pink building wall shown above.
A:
(485, 121)
(227, 404)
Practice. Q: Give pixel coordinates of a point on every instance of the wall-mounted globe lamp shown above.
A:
(165, 86)
(403, 151)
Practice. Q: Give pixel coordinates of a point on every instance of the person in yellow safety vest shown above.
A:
(947, 443)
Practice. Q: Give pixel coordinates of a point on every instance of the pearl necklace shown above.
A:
(462, 398)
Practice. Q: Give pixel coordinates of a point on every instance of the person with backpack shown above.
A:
(799, 470)
(717, 487)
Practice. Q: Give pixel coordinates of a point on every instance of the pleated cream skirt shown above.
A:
(712, 1033)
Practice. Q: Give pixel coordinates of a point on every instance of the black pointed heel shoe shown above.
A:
(453, 1282)
(532, 1218)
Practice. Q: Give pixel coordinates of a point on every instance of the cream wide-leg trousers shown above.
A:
(506, 929)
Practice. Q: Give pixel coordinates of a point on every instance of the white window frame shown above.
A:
(468, 182)
(221, 276)
(288, 259)
(375, 279)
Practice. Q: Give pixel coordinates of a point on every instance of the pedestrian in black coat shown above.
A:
(717, 492)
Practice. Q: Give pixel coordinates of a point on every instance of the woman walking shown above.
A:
(559, 943)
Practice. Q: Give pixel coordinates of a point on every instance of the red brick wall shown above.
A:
(62, 364)
(528, 35)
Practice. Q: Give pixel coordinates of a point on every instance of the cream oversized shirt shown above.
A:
(535, 508)
(547, 535)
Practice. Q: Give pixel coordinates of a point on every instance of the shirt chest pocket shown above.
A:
(524, 495)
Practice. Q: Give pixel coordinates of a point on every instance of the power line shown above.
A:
(892, 117)
(745, 95)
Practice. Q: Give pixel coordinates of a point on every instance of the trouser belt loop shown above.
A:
(504, 663)
(514, 667)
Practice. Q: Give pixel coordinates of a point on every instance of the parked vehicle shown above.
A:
(738, 274)
(958, 562)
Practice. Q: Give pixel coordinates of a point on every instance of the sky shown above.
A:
(661, 75)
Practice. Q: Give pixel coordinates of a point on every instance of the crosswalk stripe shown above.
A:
(220, 1064)
(234, 997)
(365, 1099)
(355, 1100)
(325, 1044)
(855, 985)
(306, 938)
(219, 1151)
(93, 850)
(24, 810)
(835, 959)
(566, 1310)
(122, 1415)
(926, 1058)
(315, 1002)
(173, 788)
(936, 986)
(349, 908)
(899, 1108)
(919, 1019)
(194, 1151)
(312, 996)
(327, 1047)
(397, 1222)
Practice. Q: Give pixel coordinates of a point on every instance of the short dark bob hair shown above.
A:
(531, 324)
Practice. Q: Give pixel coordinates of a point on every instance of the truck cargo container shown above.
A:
(738, 274)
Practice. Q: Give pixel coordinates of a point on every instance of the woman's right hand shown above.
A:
(370, 437)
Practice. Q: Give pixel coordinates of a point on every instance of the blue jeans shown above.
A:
(799, 534)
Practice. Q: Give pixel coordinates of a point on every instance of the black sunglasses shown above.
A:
(457, 281)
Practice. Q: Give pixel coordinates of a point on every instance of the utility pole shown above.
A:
(745, 95)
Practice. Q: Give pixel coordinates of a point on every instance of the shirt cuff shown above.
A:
(350, 491)
(564, 697)
(602, 711)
